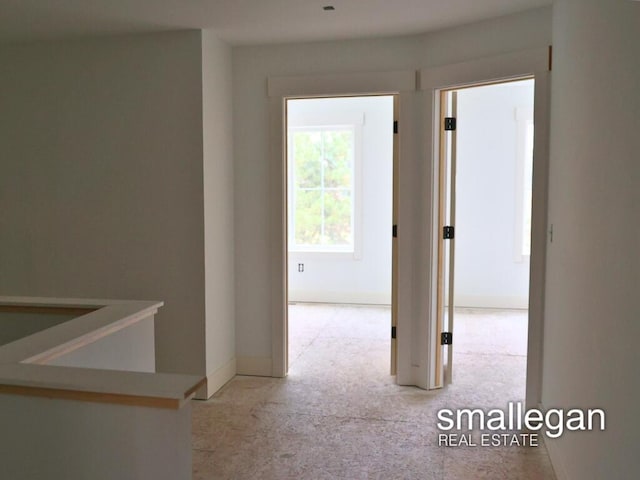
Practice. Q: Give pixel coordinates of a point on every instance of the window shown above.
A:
(322, 193)
(524, 192)
(527, 189)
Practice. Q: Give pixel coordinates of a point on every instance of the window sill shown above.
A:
(326, 255)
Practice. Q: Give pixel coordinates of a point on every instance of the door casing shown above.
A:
(401, 84)
(394, 247)
(417, 200)
(528, 64)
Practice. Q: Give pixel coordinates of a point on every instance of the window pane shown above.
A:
(307, 157)
(338, 157)
(321, 207)
(337, 218)
(308, 217)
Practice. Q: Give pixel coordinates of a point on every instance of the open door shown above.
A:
(394, 241)
(446, 239)
(341, 199)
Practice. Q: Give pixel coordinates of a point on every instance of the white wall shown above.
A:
(593, 270)
(16, 325)
(489, 272)
(69, 440)
(252, 66)
(130, 349)
(218, 212)
(102, 185)
(344, 277)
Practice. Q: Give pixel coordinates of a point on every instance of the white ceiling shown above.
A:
(243, 22)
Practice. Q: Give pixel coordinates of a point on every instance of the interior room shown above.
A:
(143, 158)
(494, 166)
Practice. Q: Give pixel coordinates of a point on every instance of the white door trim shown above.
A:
(488, 70)
(403, 83)
(340, 84)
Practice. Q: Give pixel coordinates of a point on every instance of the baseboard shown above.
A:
(478, 301)
(255, 366)
(339, 297)
(554, 455)
(217, 379)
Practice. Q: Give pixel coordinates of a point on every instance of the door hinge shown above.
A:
(393, 332)
(448, 232)
(395, 126)
(394, 231)
(446, 338)
(450, 123)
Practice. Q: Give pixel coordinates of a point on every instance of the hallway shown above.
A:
(339, 414)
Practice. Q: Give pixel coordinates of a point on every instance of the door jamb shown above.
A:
(278, 90)
(530, 63)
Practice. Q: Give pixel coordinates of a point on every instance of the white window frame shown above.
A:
(524, 120)
(328, 121)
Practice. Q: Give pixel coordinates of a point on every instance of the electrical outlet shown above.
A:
(301, 267)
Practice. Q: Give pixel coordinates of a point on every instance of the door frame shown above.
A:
(530, 63)
(401, 84)
(447, 161)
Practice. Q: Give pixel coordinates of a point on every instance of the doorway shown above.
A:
(485, 185)
(340, 212)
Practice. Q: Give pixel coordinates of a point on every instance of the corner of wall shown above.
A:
(218, 198)
(216, 380)
(255, 366)
(555, 457)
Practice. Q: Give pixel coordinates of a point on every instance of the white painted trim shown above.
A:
(340, 84)
(254, 366)
(278, 229)
(356, 190)
(402, 83)
(431, 229)
(555, 457)
(340, 297)
(523, 117)
(485, 70)
(217, 379)
(482, 301)
(537, 263)
(27, 368)
(488, 70)
(413, 213)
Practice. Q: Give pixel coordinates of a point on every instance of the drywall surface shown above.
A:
(362, 276)
(69, 440)
(16, 325)
(490, 270)
(130, 349)
(101, 178)
(218, 211)
(251, 68)
(592, 274)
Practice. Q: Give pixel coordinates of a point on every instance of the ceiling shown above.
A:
(244, 22)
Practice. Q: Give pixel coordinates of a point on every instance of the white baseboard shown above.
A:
(556, 459)
(255, 366)
(478, 301)
(339, 297)
(554, 455)
(217, 379)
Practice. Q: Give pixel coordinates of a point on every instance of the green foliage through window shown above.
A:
(321, 203)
